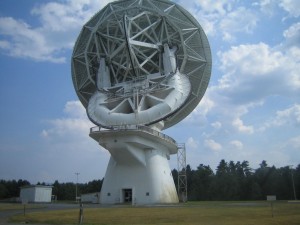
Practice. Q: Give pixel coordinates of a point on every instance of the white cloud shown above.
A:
(292, 32)
(266, 6)
(254, 80)
(25, 42)
(66, 143)
(63, 148)
(216, 125)
(222, 17)
(289, 116)
(212, 145)
(291, 6)
(61, 16)
(284, 153)
(75, 110)
(74, 126)
(294, 143)
(292, 35)
(220, 7)
(198, 116)
(239, 20)
(44, 134)
(60, 23)
(237, 144)
(254, 72)
(67, 126)
(4, 45)
(191, 143)
(239, 125)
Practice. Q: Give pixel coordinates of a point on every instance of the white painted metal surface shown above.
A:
(139, 161)
(126, 54)
(181, 168)
(140, 66)
(36, 193)
(141, 106)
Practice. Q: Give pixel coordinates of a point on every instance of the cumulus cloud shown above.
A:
(75, 110)
(75, 125)
(24, 42)
(266, 6)
(222, 17)
(212, 145)
(61, 16)
(285, 152)
(294, 143)
(292, 36)
(291, 6)
(64, 147)
(289, 116)
(220, 7)
(239, 125)
(59, 25)
(239, 20)
(4, 45)
(198, 116)
(216, 125)
(252, 75)
(237, 144)
(191, 143)
(255, 72)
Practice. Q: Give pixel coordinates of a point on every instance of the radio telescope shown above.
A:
(139, 67)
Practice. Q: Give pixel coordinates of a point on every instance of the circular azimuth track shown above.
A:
(141, 62)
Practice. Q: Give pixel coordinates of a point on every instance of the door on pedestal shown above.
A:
(127, 195)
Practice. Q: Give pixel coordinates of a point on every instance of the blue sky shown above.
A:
(251, 109)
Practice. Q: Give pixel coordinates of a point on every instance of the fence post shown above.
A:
(80, 220)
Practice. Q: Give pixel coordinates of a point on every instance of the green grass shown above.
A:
(19, 206)
(195, 213)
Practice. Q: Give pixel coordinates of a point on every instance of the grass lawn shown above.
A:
(18, 206)
(194, 213)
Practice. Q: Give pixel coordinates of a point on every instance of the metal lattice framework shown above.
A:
(126, 41)
(182, 178)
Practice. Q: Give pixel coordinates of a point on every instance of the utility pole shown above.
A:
(291, 168)
(76, 185)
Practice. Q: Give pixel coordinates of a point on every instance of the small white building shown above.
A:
(91, 198)
(36, 193)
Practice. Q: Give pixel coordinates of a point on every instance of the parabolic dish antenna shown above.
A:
(140, 66)
(139, 62)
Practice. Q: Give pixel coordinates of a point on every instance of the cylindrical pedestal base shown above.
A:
(138, 171)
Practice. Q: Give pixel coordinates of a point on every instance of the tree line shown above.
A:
(11, 188)
(231, 181)
(62, 191)
(237, 181)
(67, 191)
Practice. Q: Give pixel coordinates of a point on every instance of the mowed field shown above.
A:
(192, 213)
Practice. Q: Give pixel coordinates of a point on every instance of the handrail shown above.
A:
(133, 127)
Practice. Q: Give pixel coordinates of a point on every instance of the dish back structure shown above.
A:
(138, 67)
